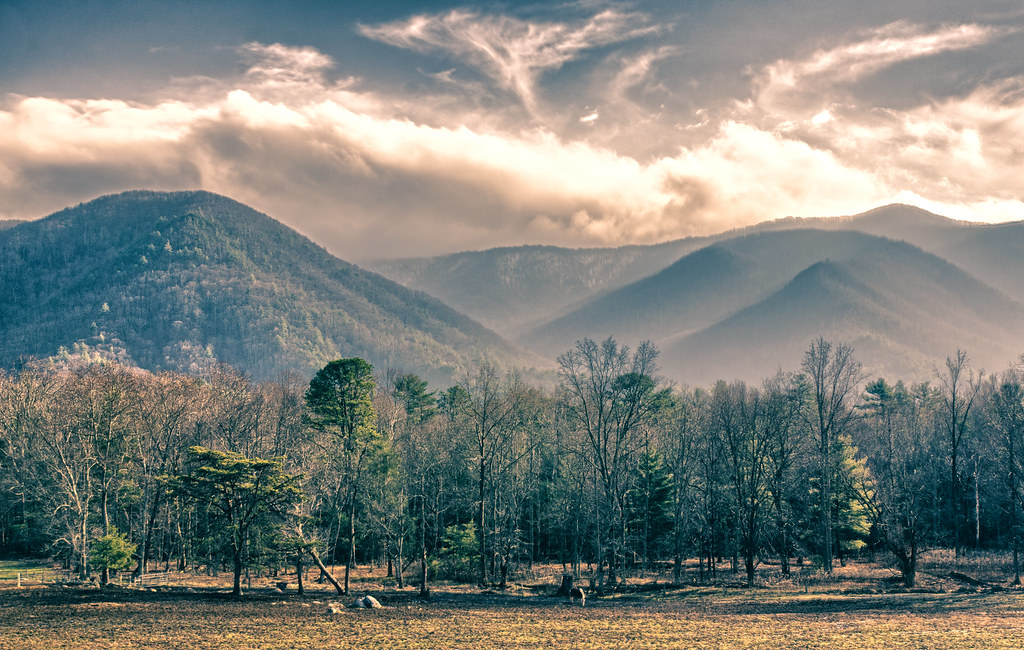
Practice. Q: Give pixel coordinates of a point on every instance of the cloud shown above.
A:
(788, 79)
(512, 52)
(958, 150)
(279, 63)
(380, 172)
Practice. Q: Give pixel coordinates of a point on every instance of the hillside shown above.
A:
(699, 289)
(180, 279)
(902, 309)
(513, 289)
(993, 253)
(518, 290)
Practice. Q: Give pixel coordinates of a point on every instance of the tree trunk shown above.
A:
(826, 503)
(298, 573)
(236, 589)
(105, 574)
(1014, 515)
(351, 541)
(83, 571)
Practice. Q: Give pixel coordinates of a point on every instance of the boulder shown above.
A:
(371, 602)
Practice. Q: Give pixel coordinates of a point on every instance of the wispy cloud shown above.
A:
(868, 53)
(512, 52)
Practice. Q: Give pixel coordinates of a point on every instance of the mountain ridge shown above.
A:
(177, 277)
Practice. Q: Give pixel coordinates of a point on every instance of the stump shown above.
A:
(566, 586)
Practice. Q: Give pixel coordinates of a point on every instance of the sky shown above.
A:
(393, 129)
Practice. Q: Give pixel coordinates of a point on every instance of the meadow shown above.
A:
(861, 606)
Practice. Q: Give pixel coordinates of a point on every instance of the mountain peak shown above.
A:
(183, 278)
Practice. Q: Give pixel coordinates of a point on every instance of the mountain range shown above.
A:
(903, 286)
(181, 280)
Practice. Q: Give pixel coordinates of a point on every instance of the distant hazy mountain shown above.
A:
(512, 289)
(905, 286)
(902, 309)
(9, 223)
(994, 253)
(699, 289)
(178, 279)
(515, 290)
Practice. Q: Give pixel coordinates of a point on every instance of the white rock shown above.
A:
(371, 602)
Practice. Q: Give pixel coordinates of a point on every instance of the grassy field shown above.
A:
(862, 608)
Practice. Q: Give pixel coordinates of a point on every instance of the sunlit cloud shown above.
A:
(372, 171)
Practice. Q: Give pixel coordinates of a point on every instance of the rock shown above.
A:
(335, 608)
(371, 602)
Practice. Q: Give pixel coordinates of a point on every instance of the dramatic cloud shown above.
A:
(373, 170)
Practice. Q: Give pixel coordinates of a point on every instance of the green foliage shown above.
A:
(650, 519)
(112, 551)
(247, 500)
(411, 392)
(340, 399)
(456, 559)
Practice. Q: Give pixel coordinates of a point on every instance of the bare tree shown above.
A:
(738, 414)
(680, 443)
(834, 375)
(959, 387)
(608, 394)
(784, 400)
(1006, 414)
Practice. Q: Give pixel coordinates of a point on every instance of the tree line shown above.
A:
(611, 471)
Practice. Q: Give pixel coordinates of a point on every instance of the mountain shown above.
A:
(699, 289)
(179, 279)
(519, 289)
(993, 253)
(513, 289)
(902, 309)
(9, 223)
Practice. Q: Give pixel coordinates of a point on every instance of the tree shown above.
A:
(740, 417)
(112, 551)
(1006, 413)
(959, 389)
(681, 444)
(340, 402)
(248, 499)
(834, 375)
(491, 408)
(784, 399)
(899, 451)
(608, 394)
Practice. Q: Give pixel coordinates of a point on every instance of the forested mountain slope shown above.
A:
(180, 279)
(513, 289)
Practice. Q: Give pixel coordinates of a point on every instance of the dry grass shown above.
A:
(859, 607)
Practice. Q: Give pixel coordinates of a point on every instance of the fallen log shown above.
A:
(963, 577)
(323, 569)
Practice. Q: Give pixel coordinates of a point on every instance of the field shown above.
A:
(862, 607)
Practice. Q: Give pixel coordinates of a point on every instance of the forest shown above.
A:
(608, 471)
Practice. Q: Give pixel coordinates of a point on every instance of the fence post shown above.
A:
(19, 579)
